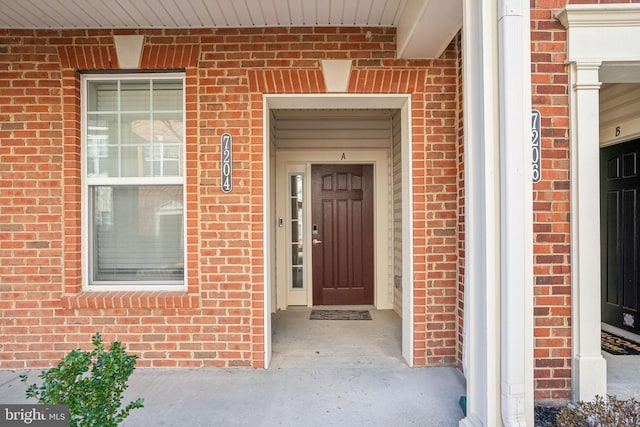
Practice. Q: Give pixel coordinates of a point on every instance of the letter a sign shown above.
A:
(226, 151)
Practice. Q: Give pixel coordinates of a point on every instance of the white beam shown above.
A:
(426, 27)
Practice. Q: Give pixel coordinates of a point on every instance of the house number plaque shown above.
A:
(535, 146)
(226, 152)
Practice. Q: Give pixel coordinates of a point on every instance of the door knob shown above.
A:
(316, 241)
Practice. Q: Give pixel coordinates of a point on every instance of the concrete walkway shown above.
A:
(285, 397)
(322, 373)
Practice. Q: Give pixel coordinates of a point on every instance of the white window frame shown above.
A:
(143, 285)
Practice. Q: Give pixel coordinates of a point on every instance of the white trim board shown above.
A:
(401, 102)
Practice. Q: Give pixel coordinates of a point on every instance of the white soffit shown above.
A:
(425, 27)
(620, 72)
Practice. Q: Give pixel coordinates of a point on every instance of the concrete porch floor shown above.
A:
(323, 373)
(623, 376)
(302, 343)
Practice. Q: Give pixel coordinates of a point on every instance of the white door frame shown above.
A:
(401, 102)
(601, 48)
(287, 160)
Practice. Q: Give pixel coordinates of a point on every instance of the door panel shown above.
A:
(619, 185)
(342, 233)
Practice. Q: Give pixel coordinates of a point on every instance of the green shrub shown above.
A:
(94, 397)
(609, 412)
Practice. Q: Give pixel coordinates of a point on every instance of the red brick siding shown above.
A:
(31, 212)
(552, 279)
(461, 211)
(219, 320)
(552, 239)
(601, 1)
(434, 209)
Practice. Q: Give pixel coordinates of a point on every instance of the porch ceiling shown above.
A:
(425, 27)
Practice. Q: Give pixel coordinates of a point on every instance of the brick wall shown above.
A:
(552, 280)
(461, 211)
(552, 273)
(219, 320)
(435, 165)
(552, 256)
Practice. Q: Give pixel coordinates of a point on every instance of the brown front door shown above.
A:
(342, 234)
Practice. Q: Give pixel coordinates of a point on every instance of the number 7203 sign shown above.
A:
(226, 152)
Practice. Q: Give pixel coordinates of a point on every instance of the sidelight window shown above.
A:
(296, 185)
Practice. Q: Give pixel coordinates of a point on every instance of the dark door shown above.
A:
(342, 234)
(619, 213)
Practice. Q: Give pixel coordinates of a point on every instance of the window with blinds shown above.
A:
(134, 166)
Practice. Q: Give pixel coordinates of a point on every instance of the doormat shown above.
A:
(617, 345)
(340, 315)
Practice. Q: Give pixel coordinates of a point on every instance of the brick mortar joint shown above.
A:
(139, 299)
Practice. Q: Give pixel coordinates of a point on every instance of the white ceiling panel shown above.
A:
(363, 12)
(216, 16)
(174, 11)
(9, 15)
(337, 12)
(93, 14)
(269, 13)
(131, 13)
(197, 13)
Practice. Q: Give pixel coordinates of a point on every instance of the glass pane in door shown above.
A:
(296, 235)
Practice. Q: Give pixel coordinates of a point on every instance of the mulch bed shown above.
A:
(546, 416)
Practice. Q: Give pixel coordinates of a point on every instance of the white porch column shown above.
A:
(498, 336)
(589, 367)
(482, 214)
(597, 34)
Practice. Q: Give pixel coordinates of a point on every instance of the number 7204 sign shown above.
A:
(226, 152)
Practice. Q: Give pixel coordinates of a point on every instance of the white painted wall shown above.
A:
(331, 129)
(397, 214)
(303, 137)
(619, 113)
